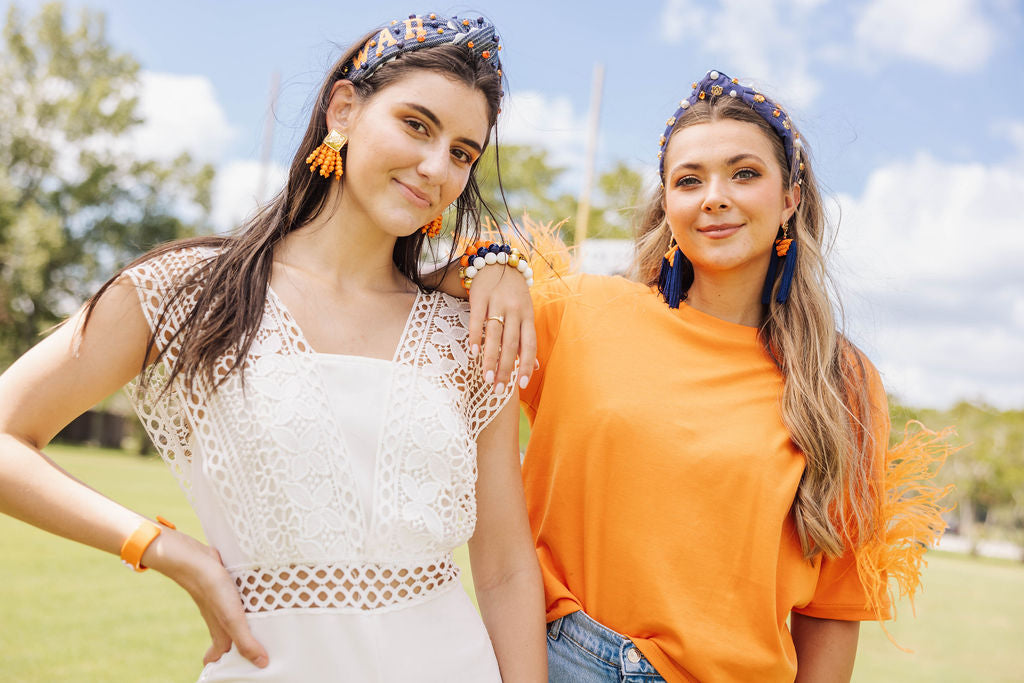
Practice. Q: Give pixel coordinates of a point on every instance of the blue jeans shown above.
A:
(580, 650)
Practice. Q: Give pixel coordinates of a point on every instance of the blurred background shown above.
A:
(125, 124)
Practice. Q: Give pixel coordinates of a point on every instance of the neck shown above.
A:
(728, 296)
(343, 247)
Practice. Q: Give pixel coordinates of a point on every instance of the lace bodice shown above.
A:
(272, 458)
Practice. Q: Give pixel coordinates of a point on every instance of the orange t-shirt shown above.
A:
(659, 479)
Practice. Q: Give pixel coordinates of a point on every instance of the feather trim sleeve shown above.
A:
(910, 509)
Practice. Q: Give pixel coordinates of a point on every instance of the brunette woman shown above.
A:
(316, 401)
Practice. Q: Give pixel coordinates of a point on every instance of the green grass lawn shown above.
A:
(71, 613)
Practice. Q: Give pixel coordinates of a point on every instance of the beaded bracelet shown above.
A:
(483, 254)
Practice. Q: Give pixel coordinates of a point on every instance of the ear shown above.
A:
(791, 201)
(342, 107)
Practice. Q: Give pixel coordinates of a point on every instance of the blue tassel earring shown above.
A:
(671, 278)
(785, 250)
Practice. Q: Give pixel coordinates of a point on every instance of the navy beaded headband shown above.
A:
(716, 84)
(418, 32)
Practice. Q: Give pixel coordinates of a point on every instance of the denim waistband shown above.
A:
(602, 642)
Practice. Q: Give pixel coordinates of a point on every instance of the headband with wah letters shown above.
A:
(418, 32)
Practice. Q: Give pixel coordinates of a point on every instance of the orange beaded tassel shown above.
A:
(782, 244)
(433, 228)
(326, 156)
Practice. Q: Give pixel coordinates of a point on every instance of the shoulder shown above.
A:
(168, 283)
(585, 288)
(165, 268)
(448, 304)
(448, 316)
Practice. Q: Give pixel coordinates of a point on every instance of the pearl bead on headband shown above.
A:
(716, 84)
(418, 32)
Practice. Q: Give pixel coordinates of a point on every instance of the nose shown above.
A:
(434, 165)
(715, 196)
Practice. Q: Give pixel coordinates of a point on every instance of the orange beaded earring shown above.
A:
(326, 156)
(433, 228)
(782, 245)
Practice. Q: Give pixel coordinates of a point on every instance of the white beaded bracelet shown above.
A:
(483, 254)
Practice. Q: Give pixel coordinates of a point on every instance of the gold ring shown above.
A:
(499, 318)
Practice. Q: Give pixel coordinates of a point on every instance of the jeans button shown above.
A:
(633, 655)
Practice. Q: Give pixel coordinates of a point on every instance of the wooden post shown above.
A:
(268, 136)
(583, 207)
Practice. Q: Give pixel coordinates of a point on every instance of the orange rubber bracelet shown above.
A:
(135, 545)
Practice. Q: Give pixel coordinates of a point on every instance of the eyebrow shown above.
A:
(437, 122)
(728, 162)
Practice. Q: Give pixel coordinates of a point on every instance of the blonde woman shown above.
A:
(704, 475)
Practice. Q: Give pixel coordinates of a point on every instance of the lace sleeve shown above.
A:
(159, 408)
(481, 404)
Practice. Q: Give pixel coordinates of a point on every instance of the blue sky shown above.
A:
(913, 110)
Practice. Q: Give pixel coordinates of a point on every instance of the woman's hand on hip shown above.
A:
(198, 569)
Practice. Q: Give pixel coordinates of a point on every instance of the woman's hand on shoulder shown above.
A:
(501, 325)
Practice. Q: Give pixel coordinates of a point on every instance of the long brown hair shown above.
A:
(231, 286)
(825, 402)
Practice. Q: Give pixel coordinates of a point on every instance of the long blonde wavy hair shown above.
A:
(825, 403)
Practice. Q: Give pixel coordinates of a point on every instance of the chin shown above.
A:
(400, 224)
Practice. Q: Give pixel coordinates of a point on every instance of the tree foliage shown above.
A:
(987, 470)
(533, 185)
(75, 200)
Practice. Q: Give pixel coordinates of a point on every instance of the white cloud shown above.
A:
(237, 190)
(181, 114)
(1012, 132)
(929, 256)
(531, 118)
(791, 39)
(952, 34)
(753, 39)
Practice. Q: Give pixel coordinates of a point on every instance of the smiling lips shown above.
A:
(415, 196)
(720, 231)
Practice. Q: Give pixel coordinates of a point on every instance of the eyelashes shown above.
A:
(460, 155)
(741, 174)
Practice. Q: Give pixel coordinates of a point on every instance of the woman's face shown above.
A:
(411, 147)
(724, 196)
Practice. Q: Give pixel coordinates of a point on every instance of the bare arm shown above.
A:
(825, 648)
(505, 570)
(41, 393)
(498, 290)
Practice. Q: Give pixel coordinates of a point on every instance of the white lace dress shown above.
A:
(335, 488)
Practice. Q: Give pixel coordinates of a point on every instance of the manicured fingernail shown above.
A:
(261, 662)
(489, 377)
(536, 364)
(475, 349)
(523, 381)
(500, 388)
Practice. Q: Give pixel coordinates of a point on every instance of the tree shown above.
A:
(528, 184)
(531, 185)
(75, 201)
(620, 195)
(987, 471)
